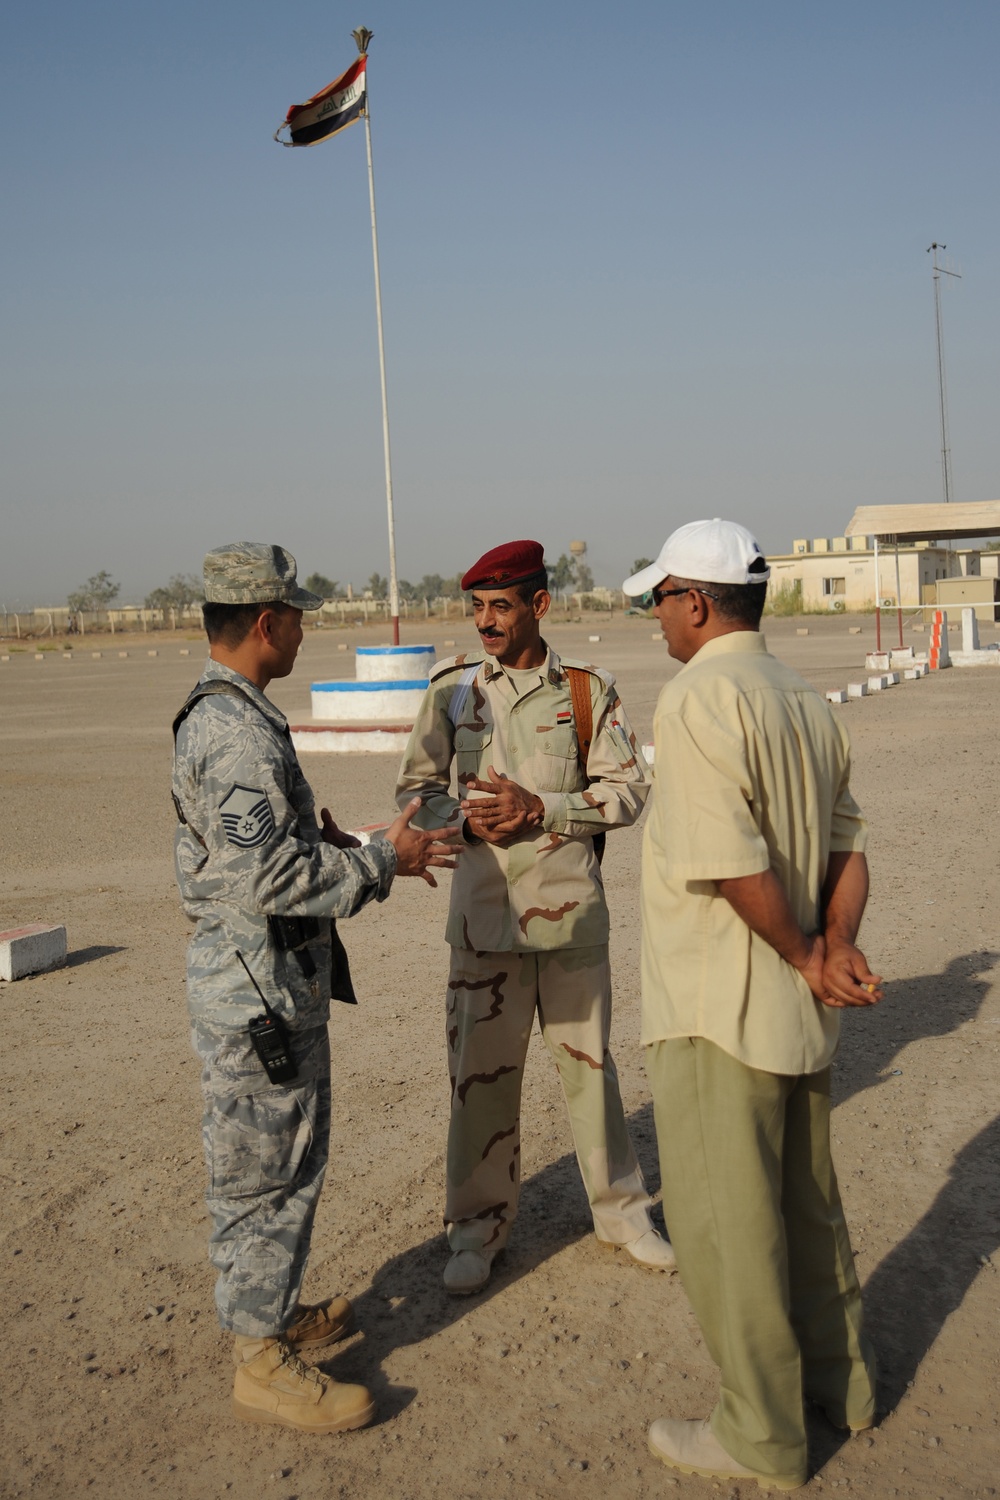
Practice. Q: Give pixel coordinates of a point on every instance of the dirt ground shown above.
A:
(116, 1378)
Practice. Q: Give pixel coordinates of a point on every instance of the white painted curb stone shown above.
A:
(31, 950)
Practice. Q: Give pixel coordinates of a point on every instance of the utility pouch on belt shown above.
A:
(291, 934)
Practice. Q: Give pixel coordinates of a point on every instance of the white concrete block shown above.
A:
(657, 635)
(912, 674)
(341, 645)
(31, 950)
(39, 655)
(892, 680)
(95, 656)
(387, 664)
(123, 656)
(970, 630)
(901, 656)
(593, 638)
(877, 684)
(396, 702)
(67, 656)
(350, 739)
(919, 626)
(152, 653)
(854, 630)
(185, 651)
(836, 695)
(877, 661)
(449, 643)
(857, 690)
(4, 658)
(802, 630)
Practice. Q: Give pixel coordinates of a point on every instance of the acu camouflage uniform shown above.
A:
(528, 928)
(249, 846)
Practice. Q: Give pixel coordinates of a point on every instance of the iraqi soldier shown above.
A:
(262, 881)
(546, 765)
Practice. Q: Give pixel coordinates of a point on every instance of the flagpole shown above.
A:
(362, 37)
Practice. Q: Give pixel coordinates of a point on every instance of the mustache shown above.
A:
(490, 633)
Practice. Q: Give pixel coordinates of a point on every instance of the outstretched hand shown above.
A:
(416, 849)
(507, 810)
(336, 836)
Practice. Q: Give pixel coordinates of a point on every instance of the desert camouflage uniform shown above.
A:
(250, 847)
(528, 928)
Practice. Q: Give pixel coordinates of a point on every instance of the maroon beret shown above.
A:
(504, 566)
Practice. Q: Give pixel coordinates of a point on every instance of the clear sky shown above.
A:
(640, 263)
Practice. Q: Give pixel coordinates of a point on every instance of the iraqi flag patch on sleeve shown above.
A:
(246, 816)
(565, 718)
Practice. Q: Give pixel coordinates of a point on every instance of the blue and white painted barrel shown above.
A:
(394, 702)
(393, 663)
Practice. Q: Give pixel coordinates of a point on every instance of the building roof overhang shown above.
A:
(926, 523)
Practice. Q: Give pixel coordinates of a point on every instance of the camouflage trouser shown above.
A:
(492, 998)
(266, 1153)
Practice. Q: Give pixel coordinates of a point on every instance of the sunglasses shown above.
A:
(660, 594)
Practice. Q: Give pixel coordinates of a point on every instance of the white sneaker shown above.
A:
(467, 1271)
(652, 1251)
(693, 1448)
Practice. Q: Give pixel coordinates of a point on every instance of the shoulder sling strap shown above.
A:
(583, 714)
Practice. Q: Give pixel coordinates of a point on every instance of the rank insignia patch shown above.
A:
(246, 816)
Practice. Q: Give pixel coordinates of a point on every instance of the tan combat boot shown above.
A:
(273, 1385)
(318, 1324)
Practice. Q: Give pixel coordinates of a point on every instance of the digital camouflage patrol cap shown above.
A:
(254, 573)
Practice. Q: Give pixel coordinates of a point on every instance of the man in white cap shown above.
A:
(754, 882)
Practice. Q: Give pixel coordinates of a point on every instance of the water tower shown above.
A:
(578, 551)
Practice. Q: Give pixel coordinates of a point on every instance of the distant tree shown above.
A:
(561, 575)
(584, 578)
(407, 590)
(318, 583)
(182, 590)
(377, 586)
(432, 586)
(644, 601)
(97, 593)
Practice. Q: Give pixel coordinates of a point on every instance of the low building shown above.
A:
(838, 573)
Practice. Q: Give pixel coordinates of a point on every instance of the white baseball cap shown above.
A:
(709, 552)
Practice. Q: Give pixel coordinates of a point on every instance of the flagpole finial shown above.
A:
(362, 36)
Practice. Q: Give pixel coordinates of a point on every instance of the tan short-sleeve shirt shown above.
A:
(752, 772)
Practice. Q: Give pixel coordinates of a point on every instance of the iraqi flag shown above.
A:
(332, 109)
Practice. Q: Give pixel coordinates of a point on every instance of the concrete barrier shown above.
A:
(836, 695)
(31, 950)
(970, 630)
(877, 661)
(386, 664)
(857, 690)
(365, 702)
(348, 739)
(939, 656)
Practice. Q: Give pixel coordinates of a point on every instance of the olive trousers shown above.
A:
(755, 1217)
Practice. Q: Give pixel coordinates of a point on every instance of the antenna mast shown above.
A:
(938, 272)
